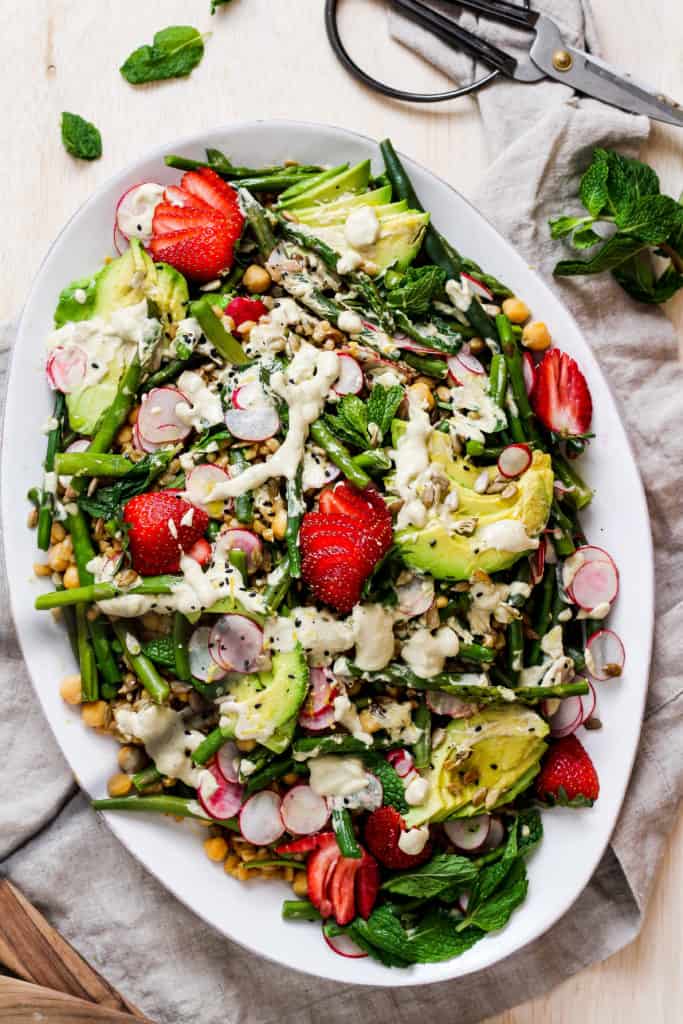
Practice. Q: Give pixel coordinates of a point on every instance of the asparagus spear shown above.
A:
(140, 664)
(177, 806)
(47, 500)
(295, 510)
(336, 451)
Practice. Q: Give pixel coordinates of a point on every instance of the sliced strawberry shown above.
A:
(242, 309)
(208, 186)
(201, 551)
(560, 397)
(304, 845)
(382, 833)
(157, 535)
(568, 775)
(367, 885)
(342, 889)
(199, 253)
(335, 581)
(168, 218)
(319, 868)
(179, 197)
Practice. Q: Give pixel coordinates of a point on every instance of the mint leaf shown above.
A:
(442, 871)
(495, 912)
(643, 286)
(417, 289)
(382, 405)
(530, 830)
(392, 786)
(627, 181)
(593, 191)
(70, 308)
(616, 250)
(585, 238)
(562, 226)
(218, 3)
(350, 423)
(80, 137)
(435, 938)
(650, 218)
(161, 650)
(384, 931)
(175, 52)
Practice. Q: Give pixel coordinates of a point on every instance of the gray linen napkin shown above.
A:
(150, 946)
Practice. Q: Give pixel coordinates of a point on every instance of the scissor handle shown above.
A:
(499, 10)
(453, 33)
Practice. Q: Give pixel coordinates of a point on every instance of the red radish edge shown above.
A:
(120, 200)
(567, 719)
(350, 380)
(401, 761)
(588, 702)
(225, 800)
(613, 638)
(236, 643)
(594, 583)
(479, 287)
(343, 945)
(529, 372)
(227, 761)
(202, 663)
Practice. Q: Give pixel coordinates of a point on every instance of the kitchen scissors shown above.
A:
(549, 56)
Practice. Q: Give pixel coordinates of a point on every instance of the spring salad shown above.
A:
(310, 509)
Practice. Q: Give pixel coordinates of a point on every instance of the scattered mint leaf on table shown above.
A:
(215, 4)
(80, 137)
(174, 53)
(624, 193)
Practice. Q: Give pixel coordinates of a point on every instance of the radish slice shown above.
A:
(202, 665)
(66, 368)
(447, 704)
(455, 370)
(236, 643)
(242, 540)
(594, 583)
(592, 553)
(529, 372)
(469, 834)
(158, 421)
(408, 345)
(350, 380)
(228, 761)
(248, 395)
(260, 819)
(401, 761)
(496, 834)
(303, 811)
(463, 902)
(142, 445)
(317, 722)
(343, 945)
(478, 287)
(537, 564)
(135, 209)
(469, 362)
(367, 799)
(318, 710)
(201, 482)
(416, 597)
(514, 460)
(588, 702)
(567, 718)
(219, 798)
(81, 445)
(257, 424)
(607, 656)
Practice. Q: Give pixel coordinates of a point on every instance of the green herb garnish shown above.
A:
(80, 137)
(174, 53)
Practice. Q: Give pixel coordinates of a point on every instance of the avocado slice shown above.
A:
(376, 197)
(354, 180)
(397, 245)
(497, 750)
(85, 407)
(337, 214)
(169, 293)
(270, 701)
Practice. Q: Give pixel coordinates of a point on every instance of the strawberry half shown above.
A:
(367, 885)
(560, 397)
(198, 253)
(179, 197)
(337, 886)
(156, 533)
(168, 217)
(210, 188)
(341, 544)
(382, 833)
(568, 775)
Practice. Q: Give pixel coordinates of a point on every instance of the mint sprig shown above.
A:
(174, 53)
(80, 137)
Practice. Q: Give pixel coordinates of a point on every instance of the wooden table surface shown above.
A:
(268, 59)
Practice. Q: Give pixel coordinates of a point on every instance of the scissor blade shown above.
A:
(594, 77)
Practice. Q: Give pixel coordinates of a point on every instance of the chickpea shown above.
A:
(256, 279)
(131, 759)
(245, 746)
(536, 336)
(32, 519)
(477, 346)
(119, 784)
(70, 689)
(94, 714)
(133, 415)
(125, 435)
(71, 579)
(290, 779)
(59, 555)
(515, 310)
(279, 524)
(368, 721)
(41, 569)
(216, 849)
(57, 533)
(300, 884)
(423, 392)
(231, 863)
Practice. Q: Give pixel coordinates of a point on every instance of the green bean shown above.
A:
(298, 235)
(299, 910)
(258, 222)
(91, 592)
(86, 658)
(278, 585)
(337, 452)
(476, 652)
(498, 378)
(238, 559)
(342, 827)
(47, 497)
(162, 376)
(269, 773)
(436, 368)
(147, 777)
(295, 511)
(579, 494)
(33, 495)
(92, 464)
(422, 748)
(543, 615)
(244, 503)
(181, 629)
(373, 461)
(116, 414)
(209, 746)
(513, 360)
(225, 344)
(311, 746)
(177, 806)
(141, 665)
